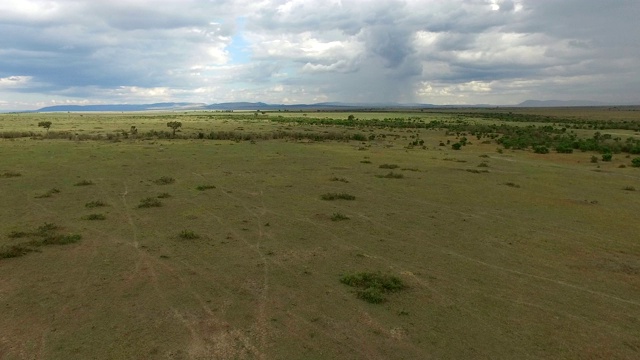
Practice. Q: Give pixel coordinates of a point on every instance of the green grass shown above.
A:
(501, 272)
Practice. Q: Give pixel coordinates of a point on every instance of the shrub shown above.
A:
(205, 187)
(339, 179)
(372, 286)
(476, 171)
(45, 124)
(48, 193)
(165, 180)
(95, 204)
(456, 146)
(594, 159)
(174, 125)
(483, 164)
(629, 188)
(94, 217)
(388, 166)
(511, 184)
(339, 217)
(61, 239)
(10, 174)
(83, 183)
(365, 161)
(17, 234)
(635, 162)
(14, 251)
(607, 157)
(337, 196)
(391, 175)
(46, 229)
(540, 149)
(188, 235)
(564, 149)
(149, 202)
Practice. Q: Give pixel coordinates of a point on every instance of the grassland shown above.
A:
(508, 254)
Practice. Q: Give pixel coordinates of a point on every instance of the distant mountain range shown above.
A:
(260, 106)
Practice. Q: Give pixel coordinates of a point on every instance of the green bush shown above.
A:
(564, 149)
(48, 193)
(83, 183)
(14, 251)
(95, 204)
(540, 149)
(594, 159)
(10, 174)
(205, 187)
(337, 196)
(149, 202)
(339, 217)
(635, 162)
(372, 286)
(94, 217)
(388, 166)
(188, 235)
(607, 157)
(391, 175)
(456, 146)
(339, 179)
(165, 180)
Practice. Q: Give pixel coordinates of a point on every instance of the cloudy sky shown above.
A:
(308, 51)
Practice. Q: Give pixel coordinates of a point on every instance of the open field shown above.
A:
(222, 247)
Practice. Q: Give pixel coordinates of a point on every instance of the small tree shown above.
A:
(45, 124)
(174, 125)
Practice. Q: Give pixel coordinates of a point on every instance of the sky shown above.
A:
(501, 52)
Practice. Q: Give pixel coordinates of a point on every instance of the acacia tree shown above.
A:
(45, 124)
(174, 125)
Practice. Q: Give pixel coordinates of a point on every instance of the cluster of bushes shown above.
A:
(45, 235)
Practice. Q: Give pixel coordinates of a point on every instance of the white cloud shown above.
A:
(377, 50)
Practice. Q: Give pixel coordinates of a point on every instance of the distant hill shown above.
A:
(559, 103)
(326, 106)
(122, 107)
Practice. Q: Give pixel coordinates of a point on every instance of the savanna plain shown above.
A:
(426, 234)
